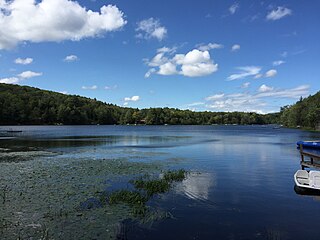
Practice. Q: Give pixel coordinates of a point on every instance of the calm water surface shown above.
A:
(240, 184)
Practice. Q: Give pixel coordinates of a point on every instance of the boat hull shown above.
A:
(307, 180)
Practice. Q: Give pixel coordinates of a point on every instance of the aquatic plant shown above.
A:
(145, 189)
(152, 187)
(136, 200)
(156, 186)
(177, 176)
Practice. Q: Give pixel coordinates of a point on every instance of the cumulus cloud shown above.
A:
(233, 8)
(71, 58)
(265, 88)
(246, 71)
(23, 61)
(195, 63)
(151, 28)
(278, 63)
(271, 73)
(29, 74)
(167, 68)
(11, 80)
(93, 87)
(20, 77)
(278, 13)
(209, 46)
(53, 20)
(132, 99)
(235, 47)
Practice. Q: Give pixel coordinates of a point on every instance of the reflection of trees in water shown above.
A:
(83, 141)
(197, 185)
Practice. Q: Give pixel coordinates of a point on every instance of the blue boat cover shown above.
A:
(309, 144)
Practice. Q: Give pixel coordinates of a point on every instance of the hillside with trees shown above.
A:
(305, 113)
(32, 106)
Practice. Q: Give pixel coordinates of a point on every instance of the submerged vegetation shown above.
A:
(31, 106)
(145, 189)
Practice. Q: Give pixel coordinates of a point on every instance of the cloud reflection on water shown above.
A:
(197, 186)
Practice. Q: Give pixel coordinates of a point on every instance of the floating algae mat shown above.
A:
(57, 198)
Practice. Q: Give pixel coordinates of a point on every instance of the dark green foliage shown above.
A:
(31, 106)
(145, 189)
(126, 196)
(305, 113)
(152, 187)
(176, 176)
(134, 199)
(156, 186)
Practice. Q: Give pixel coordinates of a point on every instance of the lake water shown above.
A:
(239, 183)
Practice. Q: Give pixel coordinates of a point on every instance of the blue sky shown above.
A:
(199, 55)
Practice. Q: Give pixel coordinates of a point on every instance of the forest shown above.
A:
(303, 114)
(33, 106)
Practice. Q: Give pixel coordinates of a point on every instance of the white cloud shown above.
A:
(148, 74)
(279, 13)
(195, 63)
(245, 85)
(166, 50)
(29, 74)
(265, 88)
(209, 46)
(64, 92)
(215, 97)
(196, 104)
(11, 80)
(23, 61)
(111, 87)
(54, 20)
(233, 8)
(93, 87)
(257, 102)
(235, 47)
(286, 93)
(246, 71)
(20, 77)
(132, 99)
(71, 58)
(271, 73)
(258, 76)
(151, 28)
(277, 63)
(167, 68)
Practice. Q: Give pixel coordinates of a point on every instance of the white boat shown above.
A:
(309, 180)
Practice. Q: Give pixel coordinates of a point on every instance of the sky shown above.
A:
(205, 55)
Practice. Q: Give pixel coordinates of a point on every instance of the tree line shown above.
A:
(305, 113)
(33, 106)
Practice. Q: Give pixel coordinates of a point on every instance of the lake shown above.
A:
(239, 183)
